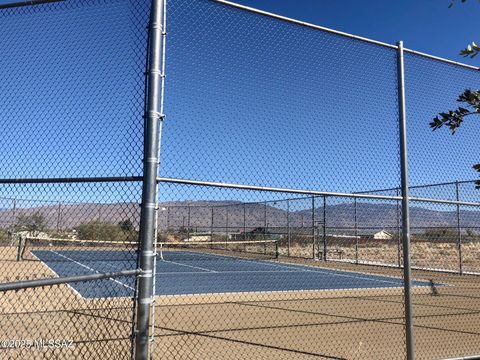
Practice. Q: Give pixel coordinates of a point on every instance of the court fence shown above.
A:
(279, 195)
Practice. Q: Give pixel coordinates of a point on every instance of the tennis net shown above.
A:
(182, 251)
(35, 249)
(31, 248)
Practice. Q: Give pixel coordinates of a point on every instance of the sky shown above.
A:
(248, 99)
(424, 25)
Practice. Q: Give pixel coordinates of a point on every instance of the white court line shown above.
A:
(313, 269)
(190, 266)
(263, 262)
(227, 272)
(91, 269)
(58, 276)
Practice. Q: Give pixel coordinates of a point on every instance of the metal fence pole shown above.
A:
(314, 238)
(324, 228)
(14, 222)
(59, 216)
(405, 204)
(399, 227)
(288, 227)
(211, 228)
(244, 221)
(226, 227)
(152, 134)
(188, 221)
(459, 231)
(356, 231)
(168, 220)
(265, 229)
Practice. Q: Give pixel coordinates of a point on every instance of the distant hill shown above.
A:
(370, 216)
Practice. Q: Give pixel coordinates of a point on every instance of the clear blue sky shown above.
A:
(424, 25)
(248, 99)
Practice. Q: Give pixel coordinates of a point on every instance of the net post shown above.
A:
(405, 203)
(152, 132)
(21, 247)
(277, 251)
(459, 230)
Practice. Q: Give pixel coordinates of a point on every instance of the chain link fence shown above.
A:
(285, 219)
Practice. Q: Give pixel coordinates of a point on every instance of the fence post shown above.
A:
(226, 227)
(356, 231)
(14, 222)
(188, 222)
(459, 230)
(168, 220)
(211, 228)
(265, 229)
(407, 272)
(288, 227)
(324, 228)
(153, 126)
(399, 241)
(59, 216)
(244, 221)
(314, 238)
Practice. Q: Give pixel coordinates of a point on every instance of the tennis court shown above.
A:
(191, 269)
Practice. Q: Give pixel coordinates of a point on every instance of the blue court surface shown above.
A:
(181, 273)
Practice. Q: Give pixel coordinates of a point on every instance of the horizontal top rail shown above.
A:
(27, 3)
(98, 179)
(418, 186)
(341, 33)
(308, 192)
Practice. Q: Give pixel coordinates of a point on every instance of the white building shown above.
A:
(383, 235)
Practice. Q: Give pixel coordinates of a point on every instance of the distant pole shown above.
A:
(226, 226)
(14, 221)
(168, 220)
(59, 216)
(244, 221)
(459, 230)
(188, 222)
(244, 226)
(407, 271)
(211, 227)
(324, 228)
(356, 231)
(288, 227)
(265, 230)
(399, 239)
(314, 252)
(265, 220)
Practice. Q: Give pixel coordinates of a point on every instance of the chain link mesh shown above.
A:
(73, 99)
(279, 219)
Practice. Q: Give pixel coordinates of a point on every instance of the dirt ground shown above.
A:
(343, 324)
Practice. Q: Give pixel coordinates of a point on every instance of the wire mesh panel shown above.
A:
(281, 226)
(235, 298)
(264, 78)
(72, 115)
(67, 321)
(438, 230)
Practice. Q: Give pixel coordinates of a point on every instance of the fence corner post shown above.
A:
(407, 272)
